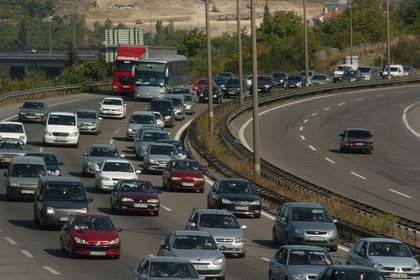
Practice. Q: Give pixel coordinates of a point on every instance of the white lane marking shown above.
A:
(166, 208)
(302, 137)
(265, 259)
(402, 91)
(41, 149)
(341, 104)
(380, 95)
(312, 148)
(301, 128)
(10, 240)
(268, 215)
(314, 114)
(407, 125)
(329, 160)
(359, 99)
(305, 121)
(26, 253)
(326, 109)
(343, 248)
(117, 131)
(51, 270)
(357, 175)
(179, 133)
(111, 141)
(400, 193)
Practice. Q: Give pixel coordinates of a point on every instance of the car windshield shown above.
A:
(12, 144)
(172, 270)
(218, 221)
(181, 90)
(163, 150)
(64, 192)
(9, 127)
(319, 77)
(142, 119)
(264, 79)
(177, 102)
(103, 152)
(365, 69)
(86, 115)
(388, 249)
(236, 187)
(33, 105)
(112, 101)
(136, 186)
(188, 98)
(27, 170)
(279, 75)
(202, 82)
(295, 78)
(359, 134)
(356, 275)
(309, 257)
(153, 137)
(118, 167)
(62, 120)
(233, 82)
(185, 165)
(189, 242)
(310, 214)
(94, 223)
(160, 106)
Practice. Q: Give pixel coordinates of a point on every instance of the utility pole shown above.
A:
(388, 47)
(351, 32)
(49, 37)
(256, 124)
(209, 74)
(305, 33)
(74, 34)
(241, 76)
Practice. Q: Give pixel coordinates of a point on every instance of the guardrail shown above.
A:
(271, 200)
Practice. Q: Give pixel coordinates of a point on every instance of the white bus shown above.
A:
(157, 76)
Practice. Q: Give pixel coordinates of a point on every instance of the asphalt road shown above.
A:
(306, 144)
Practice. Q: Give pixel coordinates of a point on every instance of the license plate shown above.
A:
(30, 117)
(125, 86)
(61, 139)
(316, 238)
(359, 144)
(63, 219)
(96, 253)
(241, 207)
(27, 191)
(201, 267)
(187, 184)
(398, 275)
(140, 205)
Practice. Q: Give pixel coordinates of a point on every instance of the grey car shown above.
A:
(200, 248)
(9, 148)
(89, 121)
(96, 153)
(22, 177)
(298, 262)
(158, 155)
(146, 138)
(390, 256)
(320, 79)
(137, 120)
(35, 111)
(179, 105)
(165, 268)
(182, 153)
(189, 104)
(224, 227)
(306, 224)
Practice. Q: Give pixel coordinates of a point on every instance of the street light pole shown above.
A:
(351, 32)
(305, 32)
(387, 40)
(241, 86)
(49, 37)
(256, 125)
(209, 74)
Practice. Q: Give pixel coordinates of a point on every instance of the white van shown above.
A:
(397, 70)
(341, 68)
(61, 128)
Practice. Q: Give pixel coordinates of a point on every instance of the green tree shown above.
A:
(23, 33)
(192, 43)
(72, 55)
(281, 24)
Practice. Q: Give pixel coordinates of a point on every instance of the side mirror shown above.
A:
(118, 229)
(192, 225)
(125, 105)
(5, 174)
(244, 227)
(97, 169)
(335, 221)
(90, 199)
(341, 134)
(100, 103)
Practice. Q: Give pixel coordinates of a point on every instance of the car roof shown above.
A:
(304, 247)
(27, 160)
(155, 130)
(110, 97)
(102, 146)
(143, 113)
(63, 113)
(234, 180)
(305, 204)
(168, 141)
(11, 122)
(60, 179)
(343, 267)
(381, 239)
(168, 259)
(89, 214)
(87, 110)
(213, 211)
(162, 144)
(191, 232)
(38, 154)
(115, 160)
(354, 128)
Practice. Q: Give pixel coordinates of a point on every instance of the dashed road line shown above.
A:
(359, 99)
(357, 175)
(301, 128)
(329, 160)
(51, 270)
(341, 104)
(401, 91)
(265, 259)
(302, 137)
(26, 253)
(10, 240)
(166, 208)
(305, 121)
(400, 193)
(312, 148)
(314, 114)
(326, 109)
(268, 215)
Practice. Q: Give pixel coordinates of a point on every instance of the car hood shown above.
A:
(161, 157)
(62, 128)
(239, 196)
(13, 151)
(32, 110)
(305, 269)
(96, 235)
(119, 175)
(394, 261)
(14, 135)
(196, 255)
(135, 126)
(224, 232)
(97, 159)
(187, 173)
(106, 106)
(314, 226)
(71, 206)
(138, 195)
(25, 180)
(85, 120)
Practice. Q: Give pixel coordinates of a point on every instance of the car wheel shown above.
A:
(70, 251)
(208, 204)
(36, 221)
(274, 238)
(241, 255)
(42, 222)
(116, 257)
(119, 209)
(62, 245)
(155, 213)
(270, 276)
(8, 198)
(201, 190)
(333, 249)
(257, 215)
(169, 187)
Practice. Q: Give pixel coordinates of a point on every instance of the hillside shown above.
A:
(186, 14)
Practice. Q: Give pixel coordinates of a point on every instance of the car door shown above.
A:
(359, 254)
(281, 222)
(66, 231)
(165, 245)
(193, 220)
(114, 195)
(142, 271)
(278, 264)
(212, 197)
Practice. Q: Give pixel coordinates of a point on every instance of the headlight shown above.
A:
(80, 241)
(74, 134)
(199, 179)
(201, 95)
(50, 211)
(48, 133)
(22, 113)
(255, 202)
(115, 241)
(218, 261)
(83, 210)
(188, 107)
(94, 124)
(226, 201)
(114, 86)
(22, 137)
(100, 108)
(105, 179)
(298, 230)
(126, 199)
(91, 164)
(175, 178)
(57, 172)
(152, 161)
(167, 117)
(239, 239)
(415, 267)
(332, 232)
(119, 110)
(129, 130)
(298, 276)
(378, 266)
(13, 184)
(153, 200)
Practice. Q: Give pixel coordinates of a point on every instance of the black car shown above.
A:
(279, 79)
(349, 272)
(349, 76)
(35, 111)
(235, 195)
(295, 81)
(51, 162)
(357, 140)
(220, 81)
(265, 83)
(231, 88)
(217, 95)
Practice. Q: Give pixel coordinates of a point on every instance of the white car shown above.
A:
(159, 119)
(14, 130)
(112, 170)
(61, 128)
(113, 107)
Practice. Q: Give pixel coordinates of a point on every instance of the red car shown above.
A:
(200, 85)
(135, 195)
(183, 174)
(90, 234)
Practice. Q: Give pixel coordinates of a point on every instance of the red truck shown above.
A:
(123, 82)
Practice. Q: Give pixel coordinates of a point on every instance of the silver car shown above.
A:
(390, 256)
(33, 111)
(158, 155)
(224, 227)
(96, 153)
(179, 105)
(89, 121)
(137, 120)
(9, 148)
(306, 224)
(199, 247)
(298, 262)
(189, 104)
(146, 138)
(182, 153)
(112, 170)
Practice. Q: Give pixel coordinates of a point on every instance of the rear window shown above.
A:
(64, 192)
(359, 133)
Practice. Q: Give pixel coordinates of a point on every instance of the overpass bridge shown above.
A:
(19, 60)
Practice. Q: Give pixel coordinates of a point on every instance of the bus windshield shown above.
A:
(151, 74)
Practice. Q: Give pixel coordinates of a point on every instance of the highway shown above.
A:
(307, 145)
